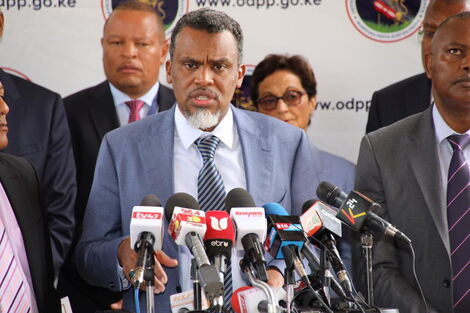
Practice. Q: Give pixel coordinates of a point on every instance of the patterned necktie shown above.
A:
(135, 106)
(458, 205)
(13, 297)
(211, 196)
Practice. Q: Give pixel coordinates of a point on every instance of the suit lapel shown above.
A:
(257, 156)
(165, 98)
(102, 110)
(25, 216)
(156, 152)
(426, 171)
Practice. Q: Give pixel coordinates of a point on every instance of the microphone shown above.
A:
(248, 299)
(146, 235)
(355, 210)
(325, 227)
(187, 226)
(283, 230)
(250, 224)
(315, 268)
(218, 241)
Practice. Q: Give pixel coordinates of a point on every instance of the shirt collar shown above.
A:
(225, 130)
(119, 97)
(441, 128)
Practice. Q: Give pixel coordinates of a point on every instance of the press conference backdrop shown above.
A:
(354, 46)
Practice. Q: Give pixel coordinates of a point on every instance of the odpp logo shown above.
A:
(386, 20)
(169, 10)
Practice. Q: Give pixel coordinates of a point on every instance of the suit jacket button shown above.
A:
(446, 283)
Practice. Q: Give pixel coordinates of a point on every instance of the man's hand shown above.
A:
(128, 258)
(275, 278)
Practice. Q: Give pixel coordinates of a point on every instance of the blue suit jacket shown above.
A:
(137, 160)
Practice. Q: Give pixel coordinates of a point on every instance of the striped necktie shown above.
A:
(211, 196)
(458, 205)
(134, 106)
(13, 298)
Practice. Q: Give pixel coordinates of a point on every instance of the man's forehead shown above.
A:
(457, 27)
(199, 42)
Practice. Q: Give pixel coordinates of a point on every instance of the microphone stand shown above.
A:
(220, 264)
(196, 286)
(197, 298)
(149, 280)
(367, 241)
(272, 305)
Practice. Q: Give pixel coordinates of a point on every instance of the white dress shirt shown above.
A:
(187, 163)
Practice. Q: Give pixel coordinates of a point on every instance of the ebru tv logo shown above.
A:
(219, 225)
(386, 20)
(169, 10)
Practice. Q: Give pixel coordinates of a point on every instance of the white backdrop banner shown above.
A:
(354, 46)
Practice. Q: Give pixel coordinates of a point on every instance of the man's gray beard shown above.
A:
(203, 118)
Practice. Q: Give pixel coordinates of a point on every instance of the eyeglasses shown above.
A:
(291, 97)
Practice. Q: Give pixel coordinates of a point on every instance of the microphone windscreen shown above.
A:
(235, 302)
(180, 199)
(219, 226)
(328, 193)
(308, 204)
(151, 200)
(274, 208)
(238, 198)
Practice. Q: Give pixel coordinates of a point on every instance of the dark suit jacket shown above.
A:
(22, 188)
(397, 101)
(38, 131)
(398, 167)
(91, 114)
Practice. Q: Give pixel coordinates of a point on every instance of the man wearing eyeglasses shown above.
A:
(412, 95)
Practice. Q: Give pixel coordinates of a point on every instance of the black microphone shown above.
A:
(355, 210)
(326, 228)
(146, 235)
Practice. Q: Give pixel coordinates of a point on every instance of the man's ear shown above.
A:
(2, 24)
(428, 64)
(168, 71)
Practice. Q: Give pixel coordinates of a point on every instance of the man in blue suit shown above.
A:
(158, 155)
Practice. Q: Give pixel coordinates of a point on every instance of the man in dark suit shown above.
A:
(24, 238)
(134, 47)
(38, 131)
(412, 95)
(408, 168)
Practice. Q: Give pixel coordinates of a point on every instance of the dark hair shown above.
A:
(212, 22)
(296, 64)
(135, 5)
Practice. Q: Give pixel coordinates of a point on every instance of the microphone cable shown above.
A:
(413, 266)
(136, 300)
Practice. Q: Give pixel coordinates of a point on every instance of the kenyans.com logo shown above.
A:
(386, 20)
(169, 10)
